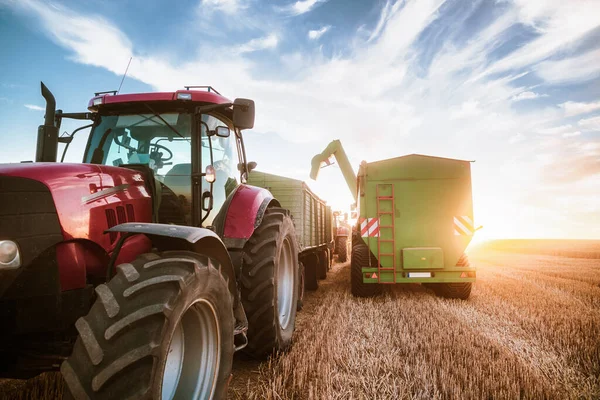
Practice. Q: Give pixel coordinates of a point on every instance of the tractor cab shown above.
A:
(187, 144)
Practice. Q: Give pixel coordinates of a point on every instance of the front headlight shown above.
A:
(9, 255)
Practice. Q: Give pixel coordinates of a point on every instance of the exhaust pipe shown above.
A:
(47, 140)
(50, 105)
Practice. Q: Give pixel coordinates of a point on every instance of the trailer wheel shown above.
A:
(322, 265)
(162, 327)
(311, 281)
(342, 248)
(360, 259)
(300, 286)
(454, 290)
(270, 283)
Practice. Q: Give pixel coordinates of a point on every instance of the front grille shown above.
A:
(28, 216)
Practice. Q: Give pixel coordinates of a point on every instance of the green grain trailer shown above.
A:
(415, 222)
(312, 218)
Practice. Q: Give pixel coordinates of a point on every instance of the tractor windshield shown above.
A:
(163, 142)
(142, 139)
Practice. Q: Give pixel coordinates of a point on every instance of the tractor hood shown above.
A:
(82, 195)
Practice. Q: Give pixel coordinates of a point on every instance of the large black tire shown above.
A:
(311, 278)
(360, 259)
(270, 283)
(342, 248)
(454, 290)
(301, 275)
(322, 265)
(122, 351)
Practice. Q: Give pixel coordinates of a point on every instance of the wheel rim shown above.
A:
(285, 284)
(192, 365)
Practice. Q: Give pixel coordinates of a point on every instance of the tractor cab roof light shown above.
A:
(184, 96)
(97, 101)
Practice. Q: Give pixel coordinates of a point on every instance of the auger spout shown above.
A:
(335, 149)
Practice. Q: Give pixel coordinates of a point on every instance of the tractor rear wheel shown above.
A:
(454, 290)
(342, 248)
(270, 283)
(360, 259)
(162, 327)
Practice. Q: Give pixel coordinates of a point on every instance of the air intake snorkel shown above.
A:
(47, 141)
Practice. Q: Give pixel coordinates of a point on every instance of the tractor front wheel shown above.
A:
(270, 283)
(161, 328)
(360, 259)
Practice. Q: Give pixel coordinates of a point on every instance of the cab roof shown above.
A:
(184, 96)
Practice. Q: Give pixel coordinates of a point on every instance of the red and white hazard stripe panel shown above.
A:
(463, 225)
(369, 227)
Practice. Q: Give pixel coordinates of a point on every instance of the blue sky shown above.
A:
(512, 84)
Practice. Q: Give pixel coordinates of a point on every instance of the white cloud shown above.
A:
(571, 134)
(562, 129)
(34, 107)
(581, 68)
(527, 96)
(302, 6)
(263, 43)
(467, 109)
(560, 25)
(388, 11)
(575, 108)
(517, 138)
(590, 124)
(226, 6)
(316, 34)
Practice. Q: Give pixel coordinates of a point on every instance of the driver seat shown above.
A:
(178, 179)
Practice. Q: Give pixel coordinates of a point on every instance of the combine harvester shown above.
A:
(415, 222)
(140, 271)
(313, 222)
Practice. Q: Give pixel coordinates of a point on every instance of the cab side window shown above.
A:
(224, 160)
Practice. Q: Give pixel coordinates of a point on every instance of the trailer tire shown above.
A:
(311, 280)
(301, 283)
(342, 248)
(322, 265)
(454, 290)
(360, 259)
(138, 331)
(269, 283)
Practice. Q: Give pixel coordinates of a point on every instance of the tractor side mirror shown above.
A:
(251, 165)
(243, 113)
(222, 131)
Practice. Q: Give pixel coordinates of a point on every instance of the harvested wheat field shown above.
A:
(531, 329)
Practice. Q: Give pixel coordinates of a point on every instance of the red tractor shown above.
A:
(140, 271)
(341, 232)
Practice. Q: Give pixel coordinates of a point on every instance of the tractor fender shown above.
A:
(242, 213)
(176, 237)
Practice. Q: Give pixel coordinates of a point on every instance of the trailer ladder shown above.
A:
(385, 196)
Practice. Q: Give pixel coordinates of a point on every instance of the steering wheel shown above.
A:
(156, 147)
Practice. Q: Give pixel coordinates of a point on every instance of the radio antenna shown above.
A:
(125, 74)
